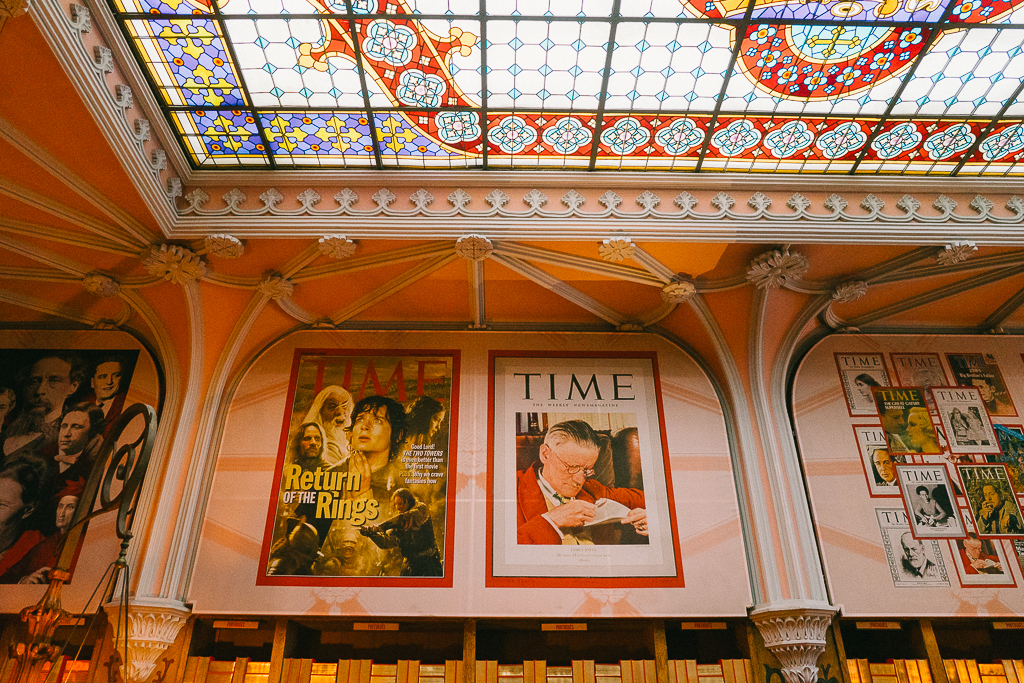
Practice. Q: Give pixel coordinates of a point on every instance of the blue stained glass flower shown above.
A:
(625, 135)
(512, 134)
(567, 135)
(269, 68)
(679, 136)
(673, 46)
(335, 93)
(572, 95)
(457, 126)
(515, 69)
(704, 47)
(662, 96)
(292, 42)
(736, 138)
(637, 72)
(543, 94)
(277, 92)
(788, 139)
(515, 43)
(901, 138)
(546, 44)
(642, 45)
(845, 138)
(306, 92)
(578, 45)
(420, 90)
(698, 72)
(1007, 141)
(262, 42)
(575, 71)
(388, 42)
(950, 142)
(632, 95)
(668, 72)
(544, 70)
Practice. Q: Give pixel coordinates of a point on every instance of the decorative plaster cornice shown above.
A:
(474, 247)
(224, 246)
(101, 285)
(955, 252)
(616, 250)
(276, 286)
(796, 636)
(336, 246)
(774, 269)
(97, 73)
(173, 263)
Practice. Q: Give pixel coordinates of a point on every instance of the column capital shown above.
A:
(794, 631)
(153, 625)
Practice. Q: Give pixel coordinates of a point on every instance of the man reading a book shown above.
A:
(557, 500)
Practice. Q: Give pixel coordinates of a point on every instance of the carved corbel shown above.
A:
(151, 630)
(796, 636)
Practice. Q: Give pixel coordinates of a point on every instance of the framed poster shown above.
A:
(980, 561)
(361, 487)
(579, 492)
(906, 420)
(879, 464)
(1011, 443)
(966, 420)
(859, 372)
(930, 501)
(913, 563)
(919, 370)
(993, 506)
(980, 370)
(56, 407)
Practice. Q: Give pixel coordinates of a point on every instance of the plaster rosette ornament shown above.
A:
(678, 292)
(337, 246)
(101, 285)
(955, 252)
(224, 246)
(474, 247)
(797, 637)
(151, 630)
(276, 286)
(849, 292)
(774, 269)
(174, 264)
(616, 250)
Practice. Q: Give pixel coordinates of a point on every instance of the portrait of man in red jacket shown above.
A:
(557, 497)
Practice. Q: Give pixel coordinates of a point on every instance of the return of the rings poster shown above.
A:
(362, 479)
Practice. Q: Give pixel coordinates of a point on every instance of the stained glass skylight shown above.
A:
(929, 87)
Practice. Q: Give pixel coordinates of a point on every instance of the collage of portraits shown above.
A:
(939, 434)
(56, 407)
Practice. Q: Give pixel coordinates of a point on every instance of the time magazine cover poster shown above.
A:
(362, 481)
(579, 488)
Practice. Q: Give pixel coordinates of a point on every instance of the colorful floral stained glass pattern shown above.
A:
(932, 87)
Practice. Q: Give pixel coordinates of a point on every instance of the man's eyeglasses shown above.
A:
(573, 470)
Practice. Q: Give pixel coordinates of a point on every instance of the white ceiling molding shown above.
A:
(128, 223)
(47, 232)
(111, 84)
(824, 219)
(387, 289)
(87, 59)
(51, 206)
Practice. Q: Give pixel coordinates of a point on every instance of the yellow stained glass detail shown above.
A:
(225, 131)
(193, 42)
(290, 139)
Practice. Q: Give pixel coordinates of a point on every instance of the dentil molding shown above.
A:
(796, 636)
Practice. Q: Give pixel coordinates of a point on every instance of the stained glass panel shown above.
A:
(925, 87)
